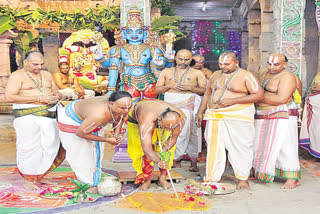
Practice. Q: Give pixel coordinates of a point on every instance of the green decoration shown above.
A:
(165, 156)
(6, 23)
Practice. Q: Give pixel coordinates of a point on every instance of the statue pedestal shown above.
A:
(120, 153)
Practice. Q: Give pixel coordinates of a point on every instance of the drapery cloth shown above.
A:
(310, 127)
(84, 156)
(38, 144)
(189, 141)
(231, 129)
(276, 143)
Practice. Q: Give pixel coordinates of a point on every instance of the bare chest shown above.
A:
(231, 83)
(182, 78)
(37, 86)
(270, 83)
(65, 80)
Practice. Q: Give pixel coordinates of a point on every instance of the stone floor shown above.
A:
(262, 198)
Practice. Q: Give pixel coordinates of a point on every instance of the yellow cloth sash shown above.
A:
(235, 112)
(37, 111)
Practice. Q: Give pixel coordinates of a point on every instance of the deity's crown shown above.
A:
(134, 20)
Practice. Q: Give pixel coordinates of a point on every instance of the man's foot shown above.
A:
(46, 181)
(290, 184)
(163, 182)
(30, 186)
(146, 185)
(176, 164)
(93, 190)
(193, 167)
(243, 184)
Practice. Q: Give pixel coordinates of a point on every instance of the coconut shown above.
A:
(109, 186)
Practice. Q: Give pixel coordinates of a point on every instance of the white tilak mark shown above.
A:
(128, 103)
(223, 60)
(91, 127)
(253, 82)
(273, 60)
(143, 136)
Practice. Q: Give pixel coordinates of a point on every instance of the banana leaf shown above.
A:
(165, 156)
(163, 21)
(6, 23)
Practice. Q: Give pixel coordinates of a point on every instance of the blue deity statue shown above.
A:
(136, 54)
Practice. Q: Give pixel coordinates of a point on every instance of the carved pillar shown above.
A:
(267, 36)
(5, 43)
(51, 54)
(292, 35)
(254, 31)
(4, 65)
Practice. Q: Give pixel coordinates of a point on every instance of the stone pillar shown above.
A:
(51, 54)
(266, 37)
(4, 65)
(254, 31)
(244, 50)
(5, 43)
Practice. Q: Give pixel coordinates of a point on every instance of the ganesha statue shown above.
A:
(134, 50)
(78, 50)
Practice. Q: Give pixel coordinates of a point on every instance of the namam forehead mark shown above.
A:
(253, 82)
(276, 59)
(273, 60)
(125, 102)
(223, 59)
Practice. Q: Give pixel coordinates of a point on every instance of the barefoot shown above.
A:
(30, 186)
(46, 181)
(243, 184)
(193, 167)
(176, 164)
(146, 185)
(163, 182)
(290, 184)
(93, 190)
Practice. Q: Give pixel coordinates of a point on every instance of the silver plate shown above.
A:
(222, 188)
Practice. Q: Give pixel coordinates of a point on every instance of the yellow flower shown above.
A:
(297, 97)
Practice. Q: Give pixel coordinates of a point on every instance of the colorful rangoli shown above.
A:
(15, 199)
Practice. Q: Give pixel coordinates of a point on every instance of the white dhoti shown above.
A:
(189, 140)
(84, 156)
(276, 144)
(37, 141)
(72, 94)
(231, 129)
(310, 127)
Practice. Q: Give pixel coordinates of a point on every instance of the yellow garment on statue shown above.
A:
(135, 150)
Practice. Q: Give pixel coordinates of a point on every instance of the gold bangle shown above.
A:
(159, 164)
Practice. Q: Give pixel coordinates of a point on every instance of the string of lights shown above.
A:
(208, 39)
